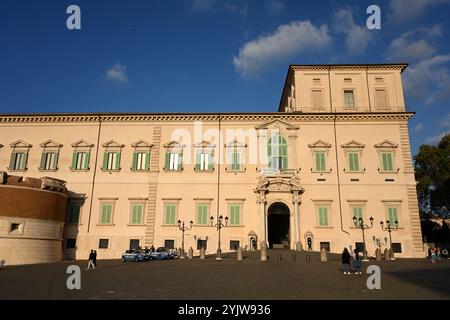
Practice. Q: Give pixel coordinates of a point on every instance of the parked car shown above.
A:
(172, 253)
(133, 255)
(160, 255)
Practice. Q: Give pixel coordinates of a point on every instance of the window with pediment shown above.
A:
(112, 156)
(19, 155)
(141, 156)
(50, 155)
(235, 156)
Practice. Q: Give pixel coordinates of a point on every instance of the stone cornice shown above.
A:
(263, 117)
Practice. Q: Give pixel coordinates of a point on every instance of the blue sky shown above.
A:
(213, 56)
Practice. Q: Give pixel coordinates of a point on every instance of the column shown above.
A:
(296, 202)
(262, 217)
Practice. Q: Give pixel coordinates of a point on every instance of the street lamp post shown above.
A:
(389, 228)
(360, 224)
(183, 229)
(219, 225)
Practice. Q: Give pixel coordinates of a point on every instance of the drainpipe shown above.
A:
(336, 154)
(95, 171)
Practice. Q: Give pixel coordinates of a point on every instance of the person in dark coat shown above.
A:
(91, 261)
(346, 257)
(95, 258)
(357, 262)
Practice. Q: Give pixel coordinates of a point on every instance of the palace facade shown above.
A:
(337, 148)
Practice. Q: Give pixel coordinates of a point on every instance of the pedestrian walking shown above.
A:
(91, 261)
(357, 262)
(346, 261)
(95, 258)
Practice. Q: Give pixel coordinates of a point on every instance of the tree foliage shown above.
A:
(432, 166)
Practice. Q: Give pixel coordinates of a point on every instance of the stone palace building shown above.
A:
(337, 148)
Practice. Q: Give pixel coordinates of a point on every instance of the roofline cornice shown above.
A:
(149, 117)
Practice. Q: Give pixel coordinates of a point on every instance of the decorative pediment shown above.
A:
(51, 144)
(353, 145)
(173, 144)
(141, 144)
(279, 184)
(20, 144)
(82, 143)
(277, 123)
(204, 144)
(319, 144)
(235, 144)
(113, 144)
(386, 144)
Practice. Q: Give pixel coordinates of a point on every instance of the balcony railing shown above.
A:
(364, 109)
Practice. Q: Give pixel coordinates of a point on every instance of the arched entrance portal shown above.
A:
(278, 226)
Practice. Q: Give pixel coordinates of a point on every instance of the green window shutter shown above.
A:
(134, 162)
(12, 160)
(147, 161)
(197, 161)
(25, 161)
(106, 214)
(323, 216)
(285, 163)
(136, 217)
(170, 214)
(180, 161)
(235, 215)
(105, 161)
(167, 161)
(320, 161)
(392, 215)
(43, 158)
(87, 161)
(389, 161)
(202, 214)
(119, 154)
(210, 162)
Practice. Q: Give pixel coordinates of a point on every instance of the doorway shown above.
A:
(278, 226)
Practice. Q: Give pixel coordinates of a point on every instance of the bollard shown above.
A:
(239, 254)
(387, 254)
(378, 254)
(190, 253)
(263, 251)
(298, 246)
(202, 253)
(323, 255)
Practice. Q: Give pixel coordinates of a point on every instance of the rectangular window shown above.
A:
(170, 213)
(317, 99)
(386, 158)
(173, 161)
(49, 161)
(111, 161)
(380, 99)
(73, 214)
(320, 161)
(353, 161)
(137, 213)
(203, 162)
(325, 245)
(134, 244)
(71, 243)
(19, 160)
(106, 211)
(235, 160)
(14, 227)
(235, 214)
(397, 247)
(323, 216)
(393, 215)
(349, 99)
(202, 214)
(80, 160)
(234, 244)
(169, 244)
(141, 161)
(103, 243)
(357, 212)
(359, 246)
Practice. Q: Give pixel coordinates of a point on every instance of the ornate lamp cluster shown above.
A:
(219, 225)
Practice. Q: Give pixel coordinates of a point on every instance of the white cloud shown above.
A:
(240, 7)
(445, 122)
(434, 140)
(418, 127)
(117, 73)
(286, 42)
(357, 37)
(414, 45)
(274, 6)
(202, 5)
(403, 11)
(429, 79)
